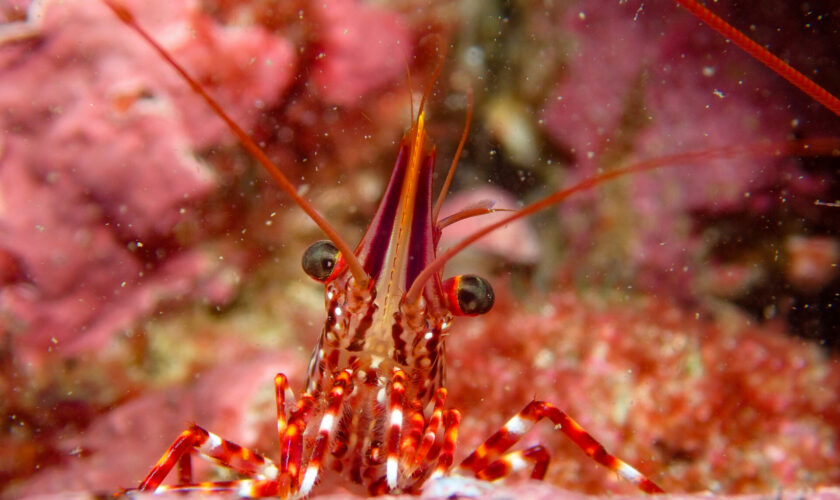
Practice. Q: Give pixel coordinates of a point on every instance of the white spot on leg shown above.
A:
(308, 480)
(629, 473)
(391, 466)
(517, 462)
(246, 489)
(269, 471)
(396, 418)
(326, 423)
(516, 426)
(391, 472)
(212, 444)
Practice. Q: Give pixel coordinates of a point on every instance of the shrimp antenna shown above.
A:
(812, 147)
(763, 56)
(430, 85)
(273, 170)
(451, 173)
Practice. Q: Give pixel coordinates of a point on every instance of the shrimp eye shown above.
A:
(319, 260)
(469, 295)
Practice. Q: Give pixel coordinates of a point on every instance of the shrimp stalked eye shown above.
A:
(319, 260)
(469, 295)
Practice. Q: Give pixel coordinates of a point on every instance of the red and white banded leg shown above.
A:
(452, 421)
(515, 428)
(395, 423)
(215, 449)
(243, 488)
(261, 473)
(536, 457)
(291, 444)
(410, 443)
(341, 385)
(430, 433)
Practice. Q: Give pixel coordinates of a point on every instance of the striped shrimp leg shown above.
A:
(409, 452)
(216, 449)
(341, 385)
(291, 444)
(430, 435)
(452, 421)
(260, 470)
(281, 384)
(489, 460)
(397, 400)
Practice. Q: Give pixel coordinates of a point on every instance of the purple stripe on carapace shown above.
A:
(374, 245)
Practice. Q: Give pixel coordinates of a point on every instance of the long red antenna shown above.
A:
(813, 147)
(763, 55)
(346, 250)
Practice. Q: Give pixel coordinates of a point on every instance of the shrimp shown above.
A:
(374, 399)
(383, 380)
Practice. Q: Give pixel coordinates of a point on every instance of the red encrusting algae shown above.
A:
(701, 401)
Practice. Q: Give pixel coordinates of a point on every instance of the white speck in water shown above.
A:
(474, 56)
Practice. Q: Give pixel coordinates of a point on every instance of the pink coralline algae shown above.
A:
(681, 90)
(104, 193)
(99, 169)
(352, 30)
